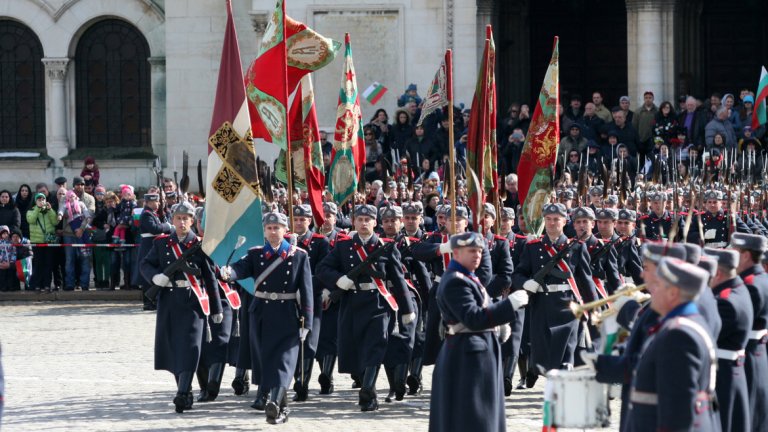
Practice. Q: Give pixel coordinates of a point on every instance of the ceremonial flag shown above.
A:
(759, 111)
(374, 92)
(348, 156)
(437, 95)
(288, 51)
(481, 139)
(534, 171)
(233, 197)
(307, 151)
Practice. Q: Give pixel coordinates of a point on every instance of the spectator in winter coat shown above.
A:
(592, 124)
(722, 125)
(9, 214)
(644, 119)
(90, 172)
(694, 120)
(23, 201)
(411, 95)
(42, 228)
(76, 220)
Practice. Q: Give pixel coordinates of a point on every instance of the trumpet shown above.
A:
(598, 317)
(578, 310)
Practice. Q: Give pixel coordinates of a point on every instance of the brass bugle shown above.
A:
(578, 310)
(598, 317)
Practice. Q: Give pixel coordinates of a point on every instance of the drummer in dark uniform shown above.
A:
(365, 305)
(751, 248)
(553, 327)
(317, 247)
(280, 312)
(673, 386)
(735, 307)
(469, 364)
(327, 347)
(150, 226)
(183, 305)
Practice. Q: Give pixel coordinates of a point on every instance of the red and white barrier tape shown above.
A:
(80, 245)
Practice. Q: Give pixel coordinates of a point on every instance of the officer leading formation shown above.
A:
(647, 292)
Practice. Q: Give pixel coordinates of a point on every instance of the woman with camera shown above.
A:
(42, 229)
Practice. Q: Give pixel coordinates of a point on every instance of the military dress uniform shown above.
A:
(282, 297)
(554, 329)
(468, 368)
(317, 246)
(628, 260)
(705, 302)
(735, 308)
(673, 384)
(364, 312)
(603, 255)
(714, 226)
(181, 320)
(657, 227)
(755, 365)
(150, 226)
(517, 348)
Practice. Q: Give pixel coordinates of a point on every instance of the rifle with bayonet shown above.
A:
(598, 253)
(180, 265)
(551, 268)
(366, 267)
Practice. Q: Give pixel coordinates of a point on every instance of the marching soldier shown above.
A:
(601, 257)
(735, 309)
(468, 365)
(327, 347)
(435, 251)
(657, 224)
(553, 327)
(607, 267)
(714, 223)
(751, 248)
(317, 246)
(150, 226)
(184, 303)
(401, 336)
(628, 260)
(366, 302)
(680, 355)
(280, 312)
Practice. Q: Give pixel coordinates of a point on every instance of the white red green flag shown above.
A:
(759, 114)
(374, 93)
(437, 95)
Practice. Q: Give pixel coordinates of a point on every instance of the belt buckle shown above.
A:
(273, 296)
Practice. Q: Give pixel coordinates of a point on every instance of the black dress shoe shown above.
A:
(302, 393)
(530, 379)
(260, 402)
(414, 385)
(180, 402)
(368, 400)
(240, 385)
(507, 386)
(326, 384)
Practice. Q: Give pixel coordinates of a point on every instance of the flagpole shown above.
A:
(288, 168)
(451, 150)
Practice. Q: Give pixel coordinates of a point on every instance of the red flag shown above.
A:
(481, 139)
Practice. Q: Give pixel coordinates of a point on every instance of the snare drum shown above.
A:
(577, 400)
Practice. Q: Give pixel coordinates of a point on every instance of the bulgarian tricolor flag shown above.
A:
(233, 195)
(759, 114)
(534, 170)
(374, 92)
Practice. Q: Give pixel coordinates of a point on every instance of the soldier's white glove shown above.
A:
(409, 318)
(532, 286)
(217, 318)
(518, 299)
(303, 332)
(589, 359)
(710, 234)
(226, 273)
(505, 331)
(445, 248)
(160, 280)
(325, 296)
(345, 283)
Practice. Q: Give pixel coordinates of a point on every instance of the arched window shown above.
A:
(22, 88)
(112, 74)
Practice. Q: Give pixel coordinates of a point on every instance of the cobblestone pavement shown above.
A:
(88, 367)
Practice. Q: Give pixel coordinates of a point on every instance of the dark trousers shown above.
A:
(57, 262)
(8, 279)
(42, 267)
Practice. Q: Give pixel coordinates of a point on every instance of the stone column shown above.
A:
(158, 108)
(650, 49)
(57, 141)
(466, 57)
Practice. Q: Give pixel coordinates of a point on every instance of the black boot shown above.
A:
(326, 375)
(241, 383)
(277, 407)
(183, 399)
(302, 387)
(261, 400)
(355, 380)
(215, 373)
(390, 371)
(509, 372)
(202, 381)
(522, 369)
(401, 372)
(414, 379)
(367, 399)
